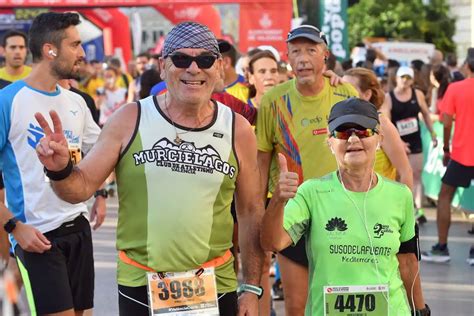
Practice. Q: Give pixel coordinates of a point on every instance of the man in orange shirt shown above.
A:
(458, 103)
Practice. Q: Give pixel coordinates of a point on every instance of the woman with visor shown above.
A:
(359, 226)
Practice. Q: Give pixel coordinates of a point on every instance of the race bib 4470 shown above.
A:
(359, 300)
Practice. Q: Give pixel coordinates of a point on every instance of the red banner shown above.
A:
(205, 14)
(264, 25)
(116, 3)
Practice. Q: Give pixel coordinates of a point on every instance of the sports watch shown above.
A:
(101, 192)
(10, 225)
(257, 290)
(423, 312)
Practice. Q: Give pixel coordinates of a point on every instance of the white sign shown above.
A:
(405, 52)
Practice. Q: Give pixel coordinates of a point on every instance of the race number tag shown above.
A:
(183, 293)
(407, 126)
(367, 300)
(75, 153)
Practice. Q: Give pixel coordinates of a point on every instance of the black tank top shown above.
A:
(405, 118)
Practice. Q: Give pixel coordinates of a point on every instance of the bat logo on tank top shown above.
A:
(184, 158)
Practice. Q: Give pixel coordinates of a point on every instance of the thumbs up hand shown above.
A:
(288, 182)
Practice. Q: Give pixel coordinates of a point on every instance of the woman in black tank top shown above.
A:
(403, 107)
(404, 115)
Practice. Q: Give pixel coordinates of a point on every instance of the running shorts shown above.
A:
(62, 277)
(458, 175)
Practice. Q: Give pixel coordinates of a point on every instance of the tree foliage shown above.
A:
(403, 20)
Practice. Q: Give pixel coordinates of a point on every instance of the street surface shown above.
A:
(448, 288)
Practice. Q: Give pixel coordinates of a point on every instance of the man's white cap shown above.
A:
(405, 71)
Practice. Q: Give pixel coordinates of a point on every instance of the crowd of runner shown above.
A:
(225, 164)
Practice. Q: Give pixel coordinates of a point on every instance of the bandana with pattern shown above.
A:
(190, 35)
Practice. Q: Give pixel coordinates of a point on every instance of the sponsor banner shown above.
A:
(405, 52)
(433, 170)
(264, 25)
(333, 17)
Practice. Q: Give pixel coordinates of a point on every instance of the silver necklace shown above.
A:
(178, 140)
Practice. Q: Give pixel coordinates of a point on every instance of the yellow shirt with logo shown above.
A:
(6, 76)
(296, 126)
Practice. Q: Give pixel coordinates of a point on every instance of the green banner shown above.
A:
(433, 170)
(334, 23)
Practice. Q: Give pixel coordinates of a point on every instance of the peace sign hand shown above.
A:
(52, 149)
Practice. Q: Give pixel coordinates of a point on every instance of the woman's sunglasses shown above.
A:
(361, 133)
(183, 61)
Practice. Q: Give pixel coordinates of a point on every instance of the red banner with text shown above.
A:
(264, 25)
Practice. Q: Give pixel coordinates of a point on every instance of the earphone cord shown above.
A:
(414, 280)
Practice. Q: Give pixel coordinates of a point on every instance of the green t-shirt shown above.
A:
(296, 126)
(339, 249)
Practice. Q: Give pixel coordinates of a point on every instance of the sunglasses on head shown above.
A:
(181, 60)
(361, 133)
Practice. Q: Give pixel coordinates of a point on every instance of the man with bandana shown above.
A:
(179, 158)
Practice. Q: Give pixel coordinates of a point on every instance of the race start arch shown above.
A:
(261, 22)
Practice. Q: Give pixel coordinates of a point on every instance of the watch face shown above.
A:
(10, 225)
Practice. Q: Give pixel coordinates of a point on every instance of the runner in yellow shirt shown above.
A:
(15, 69)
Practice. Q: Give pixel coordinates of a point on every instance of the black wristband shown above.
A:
(101, 192)
(423, 312)
(446, 149)
(61, 174)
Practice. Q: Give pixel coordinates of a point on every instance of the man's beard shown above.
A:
(64, 73)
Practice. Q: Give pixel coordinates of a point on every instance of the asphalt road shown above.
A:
(448, 288)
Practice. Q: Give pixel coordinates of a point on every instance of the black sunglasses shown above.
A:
(181, 60)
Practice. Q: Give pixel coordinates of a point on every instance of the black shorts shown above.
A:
(458, 175)
(62, 277)
(128, 305)
(295, 253)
